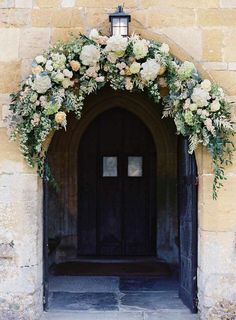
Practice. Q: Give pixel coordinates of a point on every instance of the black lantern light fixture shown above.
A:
(120, 22)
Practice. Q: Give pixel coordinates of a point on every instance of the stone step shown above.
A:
(119, 315)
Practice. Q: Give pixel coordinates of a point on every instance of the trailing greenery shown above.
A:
(63, 76)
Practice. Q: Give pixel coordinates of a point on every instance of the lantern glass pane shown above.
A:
(116, 31)
(123, 31)
(123, 22)
(116, 22)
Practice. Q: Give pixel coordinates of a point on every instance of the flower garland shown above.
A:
(63, 76)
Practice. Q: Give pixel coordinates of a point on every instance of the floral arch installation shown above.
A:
(63, 76)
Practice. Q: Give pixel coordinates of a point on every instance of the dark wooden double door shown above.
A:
(117, 187)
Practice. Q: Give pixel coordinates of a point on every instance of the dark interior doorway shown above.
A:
(117, 187)
(126, 192)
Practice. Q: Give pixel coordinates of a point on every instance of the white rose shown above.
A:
(206, 85)
(200, 97)
(150, 70)
(164, 48)
(90, 55)
(67, 73)
(40, 59)
(117, 44)
(135, 67)
(48, 65)
(215, 105)
(140, 48)
(42, 83)
(94, 35)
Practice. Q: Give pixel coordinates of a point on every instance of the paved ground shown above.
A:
(114, 298)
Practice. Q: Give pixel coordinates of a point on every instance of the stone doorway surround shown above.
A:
(21, 224)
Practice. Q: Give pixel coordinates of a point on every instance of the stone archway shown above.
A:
(63, 159)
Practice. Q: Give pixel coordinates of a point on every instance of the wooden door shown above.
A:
(117, 187)
(187, 207)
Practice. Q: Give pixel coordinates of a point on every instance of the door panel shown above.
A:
(116, 213)
(187, 206)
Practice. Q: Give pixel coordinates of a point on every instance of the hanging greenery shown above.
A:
(63, 76)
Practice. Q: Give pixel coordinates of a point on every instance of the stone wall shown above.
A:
(199, 30)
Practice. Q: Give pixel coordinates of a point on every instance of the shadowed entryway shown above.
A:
(115, 212)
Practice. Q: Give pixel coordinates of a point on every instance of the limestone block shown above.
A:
(18, 187)
(216, 252)
(180, 4)
(6, 250)
(216, 287)
(9, 44)
(225, 79)
(212, 44)
(19, 17)
(62, 18)
(170, 17)
(229, 48)
(77, 19)
(95, 17)
(11, 160)
(232, 66)
(23, 3)
(104, 4)
(33, 41)
(189, 39)
(26, 68)
(140, 17)
(4, 18)
(20, 305)
(228, 3)
(216, 17)
(215, 65)
(42, 17)
(67, 3)
(10, 76)
(7, 4)
(47, 3)
(63, 34)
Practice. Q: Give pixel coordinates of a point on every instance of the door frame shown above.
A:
(162, 131)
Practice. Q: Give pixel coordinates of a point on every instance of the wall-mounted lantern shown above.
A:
(120, 22)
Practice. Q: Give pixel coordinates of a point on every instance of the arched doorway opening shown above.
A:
(118, 175)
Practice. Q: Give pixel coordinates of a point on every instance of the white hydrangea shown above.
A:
(186, 70)
(200, 97)
(40, 59)
(42, 83)
(164, 48)
(117, 44)
(94, 34)
(206, 85)
(150, 70)
(215, 105)
(90, 55)
(140, 48)
(58, 61)
(49, 66)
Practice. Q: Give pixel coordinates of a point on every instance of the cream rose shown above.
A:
(60, 118)
(215, 105)
(40, 59)
(94, 34)
(90, 55)
(135, 67)
(206, 85)
(75, 65)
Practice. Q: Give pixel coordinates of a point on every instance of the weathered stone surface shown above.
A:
(7, 3)
(229, 48)
(171, 17)
(67, 3)
(33, 41)
(216, 17)
(179, 4)
(228, 3)
(9, 44)
(190, 39)
(23, 3)
(212, 45)
(10, 76)
(224, 309)
(47, 4)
